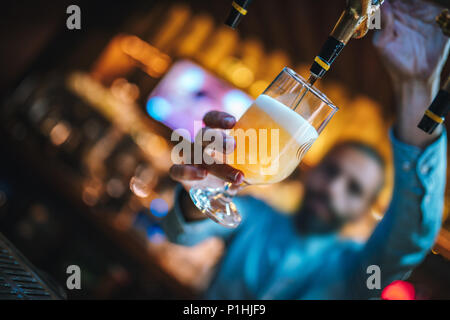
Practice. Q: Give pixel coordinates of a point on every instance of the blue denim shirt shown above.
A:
(266, 258)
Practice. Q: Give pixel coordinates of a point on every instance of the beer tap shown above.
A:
(436, 113)
(238, 11)
(354, 22)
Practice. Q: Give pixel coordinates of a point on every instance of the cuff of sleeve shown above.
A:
(403, 152)
(180, 231)
(424, 161)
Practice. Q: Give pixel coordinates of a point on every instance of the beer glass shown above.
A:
(271, 137)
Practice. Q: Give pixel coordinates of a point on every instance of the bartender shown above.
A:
(273, 256)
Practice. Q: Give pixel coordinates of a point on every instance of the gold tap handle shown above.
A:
(371, 9)
(354, 21)
(362, 29)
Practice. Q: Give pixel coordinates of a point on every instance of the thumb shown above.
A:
(387, 33)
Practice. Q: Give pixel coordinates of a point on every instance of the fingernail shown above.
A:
(228, 121)
(238, 178)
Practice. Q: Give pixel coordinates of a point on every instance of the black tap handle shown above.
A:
(326, 57)
(238, 10)
(436, 113)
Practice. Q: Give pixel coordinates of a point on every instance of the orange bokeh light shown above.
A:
(399, 290)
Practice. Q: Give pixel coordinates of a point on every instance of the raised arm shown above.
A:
(414, 51)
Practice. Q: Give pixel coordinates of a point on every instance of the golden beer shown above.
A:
(271, 140)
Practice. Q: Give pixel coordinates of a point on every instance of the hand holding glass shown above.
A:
(272, 137)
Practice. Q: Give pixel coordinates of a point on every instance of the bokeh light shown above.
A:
(191, 80)
(399, 290)
(159, 207)
(158, 108)
(60, 133)
(236, 102)
(139, 187)
(155, 234)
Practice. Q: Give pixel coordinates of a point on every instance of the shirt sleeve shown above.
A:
(410, 226)
(179, 231)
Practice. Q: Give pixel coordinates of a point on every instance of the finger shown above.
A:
(226, 172)
(425, 10)
(218, 119)
(387, 33)
(181, 173)
(217, 140)
(212, 156)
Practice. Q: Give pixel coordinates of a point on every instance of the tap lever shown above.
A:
(239, 8)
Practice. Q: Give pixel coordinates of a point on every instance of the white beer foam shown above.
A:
(300, 129)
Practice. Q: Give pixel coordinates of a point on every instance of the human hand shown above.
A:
(188, 174)
(411, 43)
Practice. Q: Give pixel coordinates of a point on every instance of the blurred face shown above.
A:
(340, 189)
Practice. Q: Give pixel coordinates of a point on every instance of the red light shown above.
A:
(399, 290)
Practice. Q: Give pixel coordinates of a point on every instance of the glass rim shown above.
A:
(313, 89)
